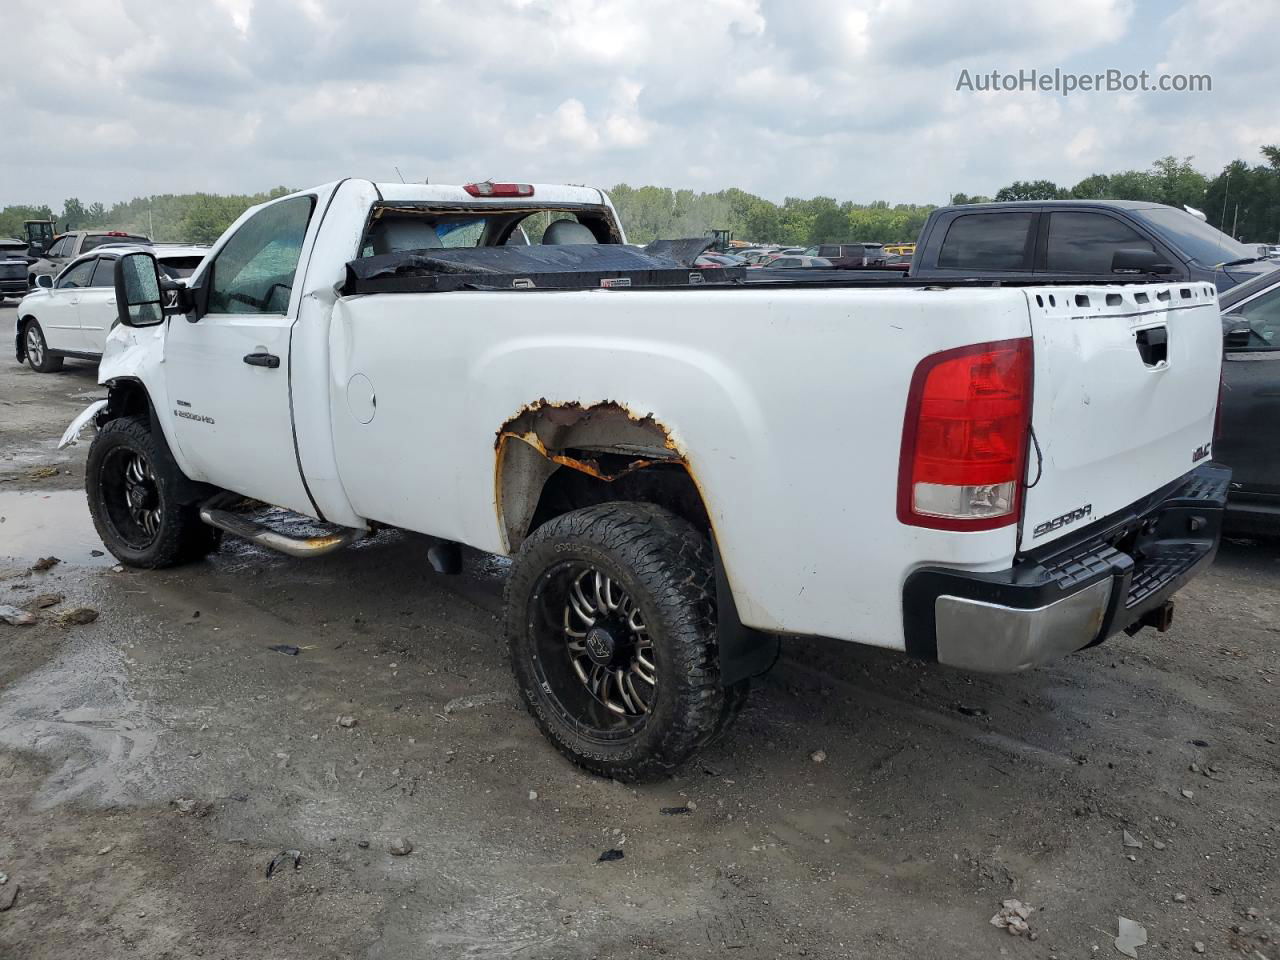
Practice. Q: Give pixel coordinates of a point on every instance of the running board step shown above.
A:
(264, 536)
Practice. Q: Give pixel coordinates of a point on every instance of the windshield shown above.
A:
(1194, 238)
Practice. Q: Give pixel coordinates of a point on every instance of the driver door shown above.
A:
(228, 371)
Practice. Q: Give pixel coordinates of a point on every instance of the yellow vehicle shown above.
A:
(907, 249)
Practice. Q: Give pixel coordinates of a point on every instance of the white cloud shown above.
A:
(851, 98)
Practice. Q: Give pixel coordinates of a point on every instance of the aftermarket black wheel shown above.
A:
(611, 626)
(130, 481)
(38, 355)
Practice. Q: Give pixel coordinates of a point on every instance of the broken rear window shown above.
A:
(401, 228)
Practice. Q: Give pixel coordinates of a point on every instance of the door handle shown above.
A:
(262, 360)
(1153, 345)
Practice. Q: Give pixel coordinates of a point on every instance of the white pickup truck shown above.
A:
(684, 468)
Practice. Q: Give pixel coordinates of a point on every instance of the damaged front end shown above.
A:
(72, 434)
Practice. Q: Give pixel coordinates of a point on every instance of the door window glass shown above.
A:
(1086, 242)
(77, 276)
(254, 272)
(104, 275)
(987, 241)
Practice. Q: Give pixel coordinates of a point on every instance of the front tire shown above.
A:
(37, 348)
(130, 482)
(611, 627)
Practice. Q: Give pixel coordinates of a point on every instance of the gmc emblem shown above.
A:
(1201, 452)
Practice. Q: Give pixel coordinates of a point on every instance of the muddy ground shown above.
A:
(155, 761)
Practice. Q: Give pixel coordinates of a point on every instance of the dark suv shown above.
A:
(1079, 238)
(13, 268)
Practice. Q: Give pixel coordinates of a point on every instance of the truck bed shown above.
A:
(591, 266)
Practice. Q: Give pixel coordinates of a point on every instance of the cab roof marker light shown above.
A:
(491, 189)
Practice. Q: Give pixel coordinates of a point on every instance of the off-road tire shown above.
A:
(48, 362)
(735, 699)
(181, 536)
(666, 566)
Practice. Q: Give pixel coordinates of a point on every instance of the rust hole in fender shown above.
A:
(607, 428)
(605, 441)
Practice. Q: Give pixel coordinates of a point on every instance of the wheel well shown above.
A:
(129, 398)
(554, 458)
(126, 398)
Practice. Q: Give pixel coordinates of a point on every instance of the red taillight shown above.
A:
(116, 233)
(491, 189)
(964, 440)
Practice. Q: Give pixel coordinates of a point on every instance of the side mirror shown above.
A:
(138, 290)
(44, 281)
(1236, 332)
(1139, 261)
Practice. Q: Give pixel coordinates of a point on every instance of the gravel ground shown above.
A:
(155, 761)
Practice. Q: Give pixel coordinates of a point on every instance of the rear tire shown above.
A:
(611, 627)
(38, 355)
(130, 482)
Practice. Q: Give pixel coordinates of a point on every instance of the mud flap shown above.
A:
(744, 651)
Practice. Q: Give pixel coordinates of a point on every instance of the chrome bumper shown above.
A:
(990, 638)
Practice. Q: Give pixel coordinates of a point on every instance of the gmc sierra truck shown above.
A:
(684, 467)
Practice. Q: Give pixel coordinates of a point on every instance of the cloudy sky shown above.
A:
(857, 99)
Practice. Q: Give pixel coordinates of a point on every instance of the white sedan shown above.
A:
(71, 316)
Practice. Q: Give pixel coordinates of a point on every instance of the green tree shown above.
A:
(73, 214)
(1030, 190)
(1245, 201)
(1096, 187)
(1179, 183)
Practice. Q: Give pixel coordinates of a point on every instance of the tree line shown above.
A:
(1243, 200)
(166, 218)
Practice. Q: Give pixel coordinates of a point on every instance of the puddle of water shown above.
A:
(34, 525)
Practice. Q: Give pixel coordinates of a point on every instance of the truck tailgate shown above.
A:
(1126, 391)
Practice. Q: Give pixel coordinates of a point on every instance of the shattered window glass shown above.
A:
(254, 272)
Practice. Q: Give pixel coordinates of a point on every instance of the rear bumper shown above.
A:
(1118, 574)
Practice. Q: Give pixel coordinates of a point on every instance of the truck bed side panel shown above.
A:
(787, 406)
